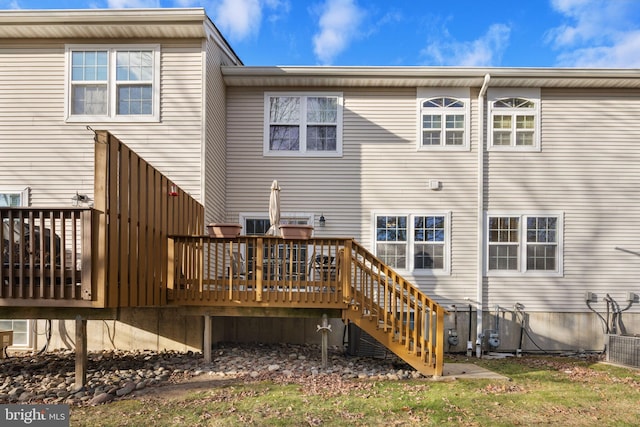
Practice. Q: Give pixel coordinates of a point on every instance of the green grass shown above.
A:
(541, 391)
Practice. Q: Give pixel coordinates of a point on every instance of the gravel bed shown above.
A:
(50, 377)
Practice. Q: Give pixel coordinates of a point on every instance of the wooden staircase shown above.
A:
(393, 311)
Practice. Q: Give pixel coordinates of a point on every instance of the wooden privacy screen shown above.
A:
(136, 208)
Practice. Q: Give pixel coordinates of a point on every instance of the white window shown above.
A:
(258, 223)
(118, 83)
(514, 119)
(303, 124)
(443, 118)
(273, 251)
(21, 328)
(530, 244)
(414, 242)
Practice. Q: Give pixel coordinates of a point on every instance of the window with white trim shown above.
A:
(21, 328)
(113, 83)
(274, 250)
(414, 242)
(303, 124)
(443, 118)
(524, 243)
(514, 120)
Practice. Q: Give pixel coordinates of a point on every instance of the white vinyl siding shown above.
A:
(214, 141)
(379, 171)
(587, 170)
(56, 158)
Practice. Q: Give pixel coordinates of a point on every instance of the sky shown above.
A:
(475, 33)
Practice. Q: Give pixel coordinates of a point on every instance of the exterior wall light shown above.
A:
(322, 221)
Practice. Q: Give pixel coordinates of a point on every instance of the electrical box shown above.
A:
(632, 297)
(6, 340)
(590, 297)
(434, 184)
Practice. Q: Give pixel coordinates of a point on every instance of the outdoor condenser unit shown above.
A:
(624, 350)
(362, 344)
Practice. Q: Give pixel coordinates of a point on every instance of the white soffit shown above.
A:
(102, 23)
(430, 76)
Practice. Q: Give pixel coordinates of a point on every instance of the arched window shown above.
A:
(443, 122)
(514, 122)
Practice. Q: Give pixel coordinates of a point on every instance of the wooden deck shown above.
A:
(140, 245)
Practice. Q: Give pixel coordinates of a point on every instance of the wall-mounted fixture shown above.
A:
(77, 199)
(322, 221)
(173, 190)
(434, 184)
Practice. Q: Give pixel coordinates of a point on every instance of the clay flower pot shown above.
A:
(295, 231)
(227, 231)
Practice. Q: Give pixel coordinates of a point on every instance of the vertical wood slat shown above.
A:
(148, 252)
(112, 214)
(157, 244)
(134, 229)
(88, 287)
(124, 224)
(99, 243)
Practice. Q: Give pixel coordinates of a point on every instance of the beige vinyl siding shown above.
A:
(55, 158)
(589, 170)
(380, 171)
(215, 141)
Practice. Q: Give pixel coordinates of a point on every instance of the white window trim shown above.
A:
(303, 143)
(532, 94)
(464, 95)
(24, 201)
(522, 235)
(242, 217)
(111, 86)
(23, 192)
(446, 270)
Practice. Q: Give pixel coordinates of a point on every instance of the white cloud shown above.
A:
(597, 33)
(484, 51)
(339, 24)
(238, 19)
(122, 4)
(623, 53)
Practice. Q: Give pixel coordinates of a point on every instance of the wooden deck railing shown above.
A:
(255, 271)
(46, 255)
(395, 312)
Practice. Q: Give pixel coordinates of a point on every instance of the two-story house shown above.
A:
(506, 194)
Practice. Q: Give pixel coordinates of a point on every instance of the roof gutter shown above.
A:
(480, 218)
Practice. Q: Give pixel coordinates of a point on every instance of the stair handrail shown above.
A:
(398, 306)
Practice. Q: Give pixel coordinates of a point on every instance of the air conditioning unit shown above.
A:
(364, 345)
(624, 350)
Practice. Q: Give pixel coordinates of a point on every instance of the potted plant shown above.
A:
(225, 230)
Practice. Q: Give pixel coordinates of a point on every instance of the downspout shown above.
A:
(480, 219)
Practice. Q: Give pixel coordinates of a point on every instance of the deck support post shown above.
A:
(325, 328)
(206, 342)
(81, 352)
